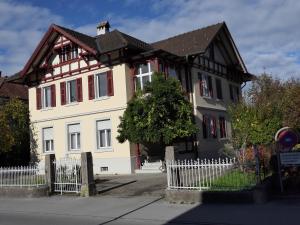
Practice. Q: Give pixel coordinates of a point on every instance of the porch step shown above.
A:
(150, 167)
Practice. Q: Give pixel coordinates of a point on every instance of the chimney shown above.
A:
(103, 28)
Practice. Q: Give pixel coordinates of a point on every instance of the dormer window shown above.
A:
(68, 52)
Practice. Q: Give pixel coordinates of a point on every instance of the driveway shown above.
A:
(132, 185)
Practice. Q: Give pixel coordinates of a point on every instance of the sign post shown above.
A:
(286, 139)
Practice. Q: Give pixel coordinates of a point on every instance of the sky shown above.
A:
(266, 32)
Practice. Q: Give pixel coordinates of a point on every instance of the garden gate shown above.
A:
(67, 175)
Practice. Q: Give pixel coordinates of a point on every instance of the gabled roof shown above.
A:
(12, 90)
(191, 42)
(116, 40)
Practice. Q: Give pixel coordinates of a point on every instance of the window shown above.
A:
(74, 137)
(68, 52)
(101, 85)
(219, 89)
(143, 75)
(71, 90)
(205, 85)
(209, 127)
(103, 134)
(234, 93)
(222, 126)
(48, 144)
(46, 97)
(172, 72)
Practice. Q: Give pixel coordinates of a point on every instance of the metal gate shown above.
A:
(67, 175)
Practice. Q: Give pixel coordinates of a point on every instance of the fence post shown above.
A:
(88, 187)
(50, 172)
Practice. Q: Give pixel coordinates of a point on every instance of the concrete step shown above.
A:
(147, 171)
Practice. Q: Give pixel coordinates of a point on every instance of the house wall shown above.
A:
(211, 147)
(118, 159)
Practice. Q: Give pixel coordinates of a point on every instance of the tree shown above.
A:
(269, 104)
(15, 136)
(159, 114)
(256, 119)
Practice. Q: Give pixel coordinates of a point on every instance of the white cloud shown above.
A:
(265, 31)
(21, 28)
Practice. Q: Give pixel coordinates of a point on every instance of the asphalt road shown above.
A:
(65, 210)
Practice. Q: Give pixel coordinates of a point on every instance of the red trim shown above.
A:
(52, 28)
(91, 87)
(53, 95)
(133, 72)
(79, 89)
(110, 83)
(70, 72)
(63, 93)
(71, 38)
(37, 50)
(38, 98)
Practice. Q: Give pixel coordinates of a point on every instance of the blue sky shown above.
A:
(266, 31)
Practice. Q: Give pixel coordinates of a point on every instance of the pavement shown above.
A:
(132, 185)
(64, 210)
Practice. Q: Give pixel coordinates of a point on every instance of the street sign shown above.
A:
(287, 138)
(290, 158)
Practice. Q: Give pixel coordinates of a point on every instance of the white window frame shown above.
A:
(97, 94)
(44, 97)
(69, 91)
(51, 141)
(106, 129)
(77, 133)
(205, 85)
(140, 75)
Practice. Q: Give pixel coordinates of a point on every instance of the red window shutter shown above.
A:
(91, 87)
(79, 89)
(63, 93)
(38, 98)
(110, 83)
(53, 96)
(200, 84)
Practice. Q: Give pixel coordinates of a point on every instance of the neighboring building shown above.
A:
(79, 86)
(9, 89)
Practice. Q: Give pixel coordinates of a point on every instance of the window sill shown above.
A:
(47, 109)
(74, 151)
(108, 149)
(48, 153)
(101, 98)
(72, 104)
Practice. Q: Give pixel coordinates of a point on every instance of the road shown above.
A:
(64, 210)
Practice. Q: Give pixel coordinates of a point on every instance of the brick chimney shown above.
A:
(103, 27)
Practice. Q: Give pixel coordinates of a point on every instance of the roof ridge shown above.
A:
(188, 32)
(68, 29)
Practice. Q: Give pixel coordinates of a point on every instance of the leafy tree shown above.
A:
(269, 104)
(159, 114)
(15, 128)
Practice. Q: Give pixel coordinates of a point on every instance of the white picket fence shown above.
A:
(67, 175)
(22, 176)
(196, 174)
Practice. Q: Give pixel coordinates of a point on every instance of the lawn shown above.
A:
(234, 180)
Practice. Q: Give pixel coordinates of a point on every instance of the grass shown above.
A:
(234, 180)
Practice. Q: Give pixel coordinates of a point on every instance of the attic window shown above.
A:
(68, 52)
